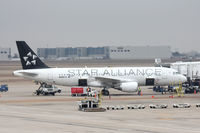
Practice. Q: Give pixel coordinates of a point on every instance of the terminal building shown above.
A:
(5, 54)
(106, 52)
(74, 53)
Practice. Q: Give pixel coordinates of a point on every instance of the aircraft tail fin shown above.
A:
(29, 59)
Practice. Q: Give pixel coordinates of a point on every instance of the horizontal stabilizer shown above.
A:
(30, 74)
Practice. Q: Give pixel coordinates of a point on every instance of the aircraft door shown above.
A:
(50, 76)
(150, 81)
(82, 82)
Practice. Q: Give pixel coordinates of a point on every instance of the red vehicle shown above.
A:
(79, 91)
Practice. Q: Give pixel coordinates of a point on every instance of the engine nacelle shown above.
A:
(129, 87)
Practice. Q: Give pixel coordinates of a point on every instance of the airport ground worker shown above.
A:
(139, 91)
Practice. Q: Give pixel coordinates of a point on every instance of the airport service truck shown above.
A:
(48, 90)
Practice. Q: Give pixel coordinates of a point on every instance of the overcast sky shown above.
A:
(64, 23)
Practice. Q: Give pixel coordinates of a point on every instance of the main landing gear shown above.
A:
(105, 92)
(39, 90)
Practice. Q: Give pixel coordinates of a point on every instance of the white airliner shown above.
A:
(126, 79)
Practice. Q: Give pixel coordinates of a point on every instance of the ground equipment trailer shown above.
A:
(79, 91)
(183, 105)
(158, 106)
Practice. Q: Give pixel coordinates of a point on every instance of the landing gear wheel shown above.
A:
(37, 92)
(105, 92)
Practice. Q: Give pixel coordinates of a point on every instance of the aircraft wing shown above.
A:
(103, 79)
(108, 81)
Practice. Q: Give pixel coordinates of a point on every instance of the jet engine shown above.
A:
(128, 87)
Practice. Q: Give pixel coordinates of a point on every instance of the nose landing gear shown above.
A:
(39, 90)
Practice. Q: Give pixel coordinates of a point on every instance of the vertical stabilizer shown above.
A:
(29, 59)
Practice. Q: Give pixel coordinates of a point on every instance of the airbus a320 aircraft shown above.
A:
(126, 79)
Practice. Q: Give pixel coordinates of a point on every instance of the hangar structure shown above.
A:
(106, 52)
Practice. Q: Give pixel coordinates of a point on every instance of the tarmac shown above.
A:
(23, 112)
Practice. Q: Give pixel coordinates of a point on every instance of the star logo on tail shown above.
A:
(30, 59)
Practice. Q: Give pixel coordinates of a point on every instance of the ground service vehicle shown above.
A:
(48, 90)
(4, 88)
